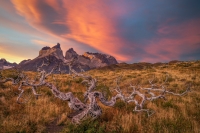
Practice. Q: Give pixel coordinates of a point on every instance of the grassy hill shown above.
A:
(47, 113)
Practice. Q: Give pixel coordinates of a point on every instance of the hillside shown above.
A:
(4, 64)
(87, 61)
(48, 113)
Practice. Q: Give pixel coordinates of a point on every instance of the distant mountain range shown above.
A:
(84, 62)
(6, 65)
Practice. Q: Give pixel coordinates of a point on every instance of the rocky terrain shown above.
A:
(84, 62)
(6, 65)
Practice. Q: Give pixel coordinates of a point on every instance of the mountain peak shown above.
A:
(103, 58)
(86, 61)
(45, 48)
(57, 46)
(70, 53)
(4, 64)
(55, 51)
(3, 60)
(88, 55)
(70, 50)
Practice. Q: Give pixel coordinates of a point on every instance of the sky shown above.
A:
(130, 30)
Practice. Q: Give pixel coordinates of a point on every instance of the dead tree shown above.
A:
(90, 105)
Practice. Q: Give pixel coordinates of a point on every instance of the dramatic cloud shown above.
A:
(175, 42)
(131, 31)
(91, 23)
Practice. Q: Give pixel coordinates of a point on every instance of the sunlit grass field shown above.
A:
(174, 115)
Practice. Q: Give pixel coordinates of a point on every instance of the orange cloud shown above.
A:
(42, 43)
(182, 40)
(27, 9)
(90, 22)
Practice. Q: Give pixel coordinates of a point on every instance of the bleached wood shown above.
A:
(90, 105)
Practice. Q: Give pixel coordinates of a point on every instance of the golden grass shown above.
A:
(177, 114)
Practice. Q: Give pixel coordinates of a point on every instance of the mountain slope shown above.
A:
(4, 64)
(85, 62)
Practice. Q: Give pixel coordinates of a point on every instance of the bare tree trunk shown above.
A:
(90, 106)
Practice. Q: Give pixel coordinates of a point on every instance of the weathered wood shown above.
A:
(90, 106)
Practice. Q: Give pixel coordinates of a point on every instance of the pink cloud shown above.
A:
(173, 41)
(95, 25)
(89, 23)
(42, 43)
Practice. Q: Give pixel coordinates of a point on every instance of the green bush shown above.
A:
(169, 104)
(120, 104)
(11, 73)
(86, 126)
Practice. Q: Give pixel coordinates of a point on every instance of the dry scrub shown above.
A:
(176, 114)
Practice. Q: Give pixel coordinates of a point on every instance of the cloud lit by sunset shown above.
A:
(131, 31)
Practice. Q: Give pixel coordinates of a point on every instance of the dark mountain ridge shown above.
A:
(4, 64)
(85, 62)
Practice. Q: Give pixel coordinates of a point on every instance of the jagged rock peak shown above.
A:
(71, 50)
(88, 55)
(86, 61)
(4, 64)
(45, 48)
(24, 61)
(3, 60)
(57, 46)
(55, 51)
(101, 58)
(70, 53)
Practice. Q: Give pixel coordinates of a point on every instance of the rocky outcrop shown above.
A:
(90, 60)
(70, 54)
(55, 54)
(99, 60)
(86, 61)
(54, 51)
(33, 64)
(24, 62)
(6, 65)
